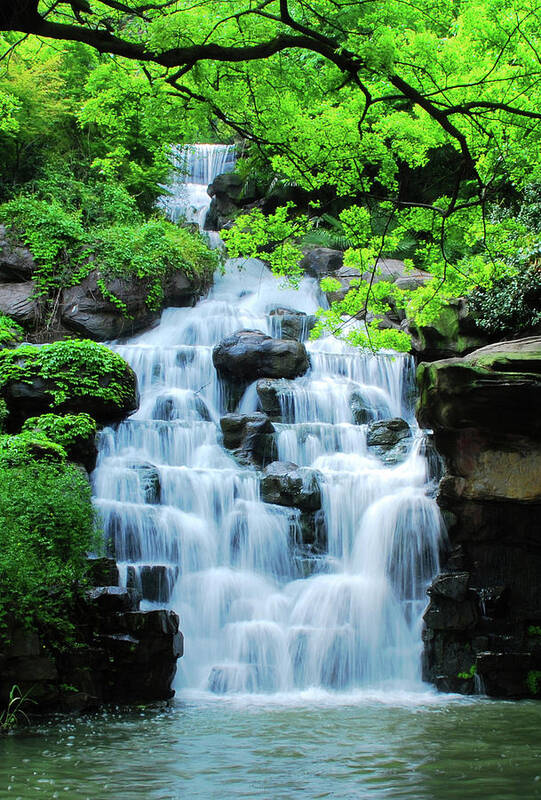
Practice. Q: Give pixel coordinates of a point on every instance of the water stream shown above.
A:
(262, 610)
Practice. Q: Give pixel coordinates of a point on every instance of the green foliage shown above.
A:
(14, 713)
(67, 430)
(511, 305)
(77, 368)
(46, 527)
(10, 332)
(534, 630)
(152, 252)
(4, 414)
(27, 447)
(533, 681)
(469, 674)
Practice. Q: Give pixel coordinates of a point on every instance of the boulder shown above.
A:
(155, 582)
(320, 262)
(389, 439)
(288, 324)
(111, 599)
(453, 333)
(70, 376)
(250, 437)
(286, 484)
(86, 311)
(17, 301)
(16, 261)
(269, 392)
(248, 355)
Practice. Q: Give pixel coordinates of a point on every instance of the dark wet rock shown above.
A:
(362, 408)
(17, 301)
(16, 261)
(155, 582)
(453, 333)
(250, 437)
(320, 262)
(313, 531)
(483, 409)
(248, 355)
(88, 312)
(170, 406)
(111, 599)
(286, 484)
(453, 586)
(288, 324)
(102, 571)
(389, 440)
(269, 393)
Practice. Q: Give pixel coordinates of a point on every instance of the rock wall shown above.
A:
(123, 655)
(483, 623)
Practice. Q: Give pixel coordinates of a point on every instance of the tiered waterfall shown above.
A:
(260, 610)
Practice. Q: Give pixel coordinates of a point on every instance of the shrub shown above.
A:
(511, 305)
(46, 528)
(10, 333)
(68, 430)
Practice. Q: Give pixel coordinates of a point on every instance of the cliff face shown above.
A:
(483, 623)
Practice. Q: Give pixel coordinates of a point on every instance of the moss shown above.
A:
(70, 369)
(469, 674)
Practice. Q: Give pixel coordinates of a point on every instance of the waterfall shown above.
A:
(194, 167)
(262, 610)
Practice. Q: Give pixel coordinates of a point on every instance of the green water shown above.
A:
(365, 747)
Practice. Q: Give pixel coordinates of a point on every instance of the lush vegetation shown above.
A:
(71, 369)
(46, 528)
(415, 128)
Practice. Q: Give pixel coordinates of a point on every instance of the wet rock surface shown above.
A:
(249, 354)
(289, 324)
(389, 439)
(124, 655)
(286, 484)
(486, 607)
(250, 437)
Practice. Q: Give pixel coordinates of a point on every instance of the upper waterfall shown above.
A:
(194, 167)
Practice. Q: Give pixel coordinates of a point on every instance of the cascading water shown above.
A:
(194, 168)
(261, 611)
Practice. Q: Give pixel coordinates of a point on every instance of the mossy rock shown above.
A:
(72, 376)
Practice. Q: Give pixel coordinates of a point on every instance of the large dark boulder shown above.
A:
(248, 355)
(286, 484)
(319, 262)
(78, 376)
(269, 392)
(250, 437)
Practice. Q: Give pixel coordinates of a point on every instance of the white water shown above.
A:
(260, 612)
(194, 167)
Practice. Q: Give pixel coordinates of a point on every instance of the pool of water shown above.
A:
(310, 746)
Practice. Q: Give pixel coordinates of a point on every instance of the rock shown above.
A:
(110, 599)
(16, 261)
(42, 380)
(155, 582)
(345, 275)
(389, 439)
(248, 355)
(17, 301)
(88, 312)
(286, 484)
(496, 388)
(453, 586)
(453, 333)
(288, 324)
(269, 393)
(483, 409)
(395, 271)
(180, 404)
(368, 404)
(319, 262)
(250, 437)
(149, 480)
